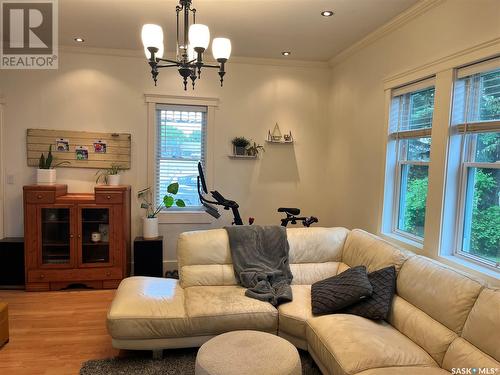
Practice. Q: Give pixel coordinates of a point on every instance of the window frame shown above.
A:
(186, 215)
(395, 173)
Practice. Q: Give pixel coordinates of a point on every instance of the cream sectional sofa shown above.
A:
(440, 319)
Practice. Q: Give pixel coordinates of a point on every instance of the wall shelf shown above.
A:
(242, 157)
(280, 142)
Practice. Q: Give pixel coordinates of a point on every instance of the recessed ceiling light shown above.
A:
(286, 53)
(327, 13)
(79, 40)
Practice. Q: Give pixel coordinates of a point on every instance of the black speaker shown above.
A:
(148, 257)
(12, 262)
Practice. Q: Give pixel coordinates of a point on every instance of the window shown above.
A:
(180, 144)
(410, 126)
(476, 119)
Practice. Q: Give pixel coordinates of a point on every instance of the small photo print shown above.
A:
(82, 153)
(104, 230)
(99, 147)
(62, 145)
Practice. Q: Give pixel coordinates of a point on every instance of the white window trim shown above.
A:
(435, 246)
(152, 99)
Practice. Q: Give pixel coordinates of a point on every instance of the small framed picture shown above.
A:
(62, 145)
(99, 147)
(82, 153)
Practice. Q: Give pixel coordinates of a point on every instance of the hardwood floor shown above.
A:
(54, 332)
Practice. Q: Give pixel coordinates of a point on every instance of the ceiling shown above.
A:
(257, 28)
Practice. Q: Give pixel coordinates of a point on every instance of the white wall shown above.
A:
(358, 129)
(106, 93)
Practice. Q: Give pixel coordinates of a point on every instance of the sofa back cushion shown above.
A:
(204, 257)
(432, 305)
(479, 345)
(365, 249)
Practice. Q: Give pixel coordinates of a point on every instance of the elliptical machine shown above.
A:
(227, 204)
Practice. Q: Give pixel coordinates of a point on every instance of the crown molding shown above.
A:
(159, 97)
(234, 60)
(471, 55)
(400, 20)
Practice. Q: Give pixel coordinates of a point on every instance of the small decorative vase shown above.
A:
(240, 150)
(114, 179)
(45, 176)
(150, 228)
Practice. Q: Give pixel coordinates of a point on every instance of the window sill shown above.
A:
(452, 260)
(185, 217)
(402, 241)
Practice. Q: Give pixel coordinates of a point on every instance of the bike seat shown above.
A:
(289, 210)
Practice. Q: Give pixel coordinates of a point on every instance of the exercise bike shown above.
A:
(219, 200)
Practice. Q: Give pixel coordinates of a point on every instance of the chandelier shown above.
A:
(191, 46)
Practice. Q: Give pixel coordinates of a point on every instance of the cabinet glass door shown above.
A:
(95, 235)
(56, 243)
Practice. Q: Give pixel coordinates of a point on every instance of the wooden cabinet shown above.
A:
(76, 238)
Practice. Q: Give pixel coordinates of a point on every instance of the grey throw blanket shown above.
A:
(260, 260)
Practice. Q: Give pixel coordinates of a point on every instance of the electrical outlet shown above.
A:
(10, 179)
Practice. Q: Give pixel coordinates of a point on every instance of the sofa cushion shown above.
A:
(444, 294)
(309, 273)
(482, 328)
(293, 315)
(462, 354)
(377, 306)
(148, 308)
(204, 257)
(348, 344)
(337, 292)
(426, 332)
(363, 248)
(407, 370)
(217, 309)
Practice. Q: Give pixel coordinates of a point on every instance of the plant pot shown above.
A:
(240, 150)
(114, 179)
(150, 228)
(45, 176)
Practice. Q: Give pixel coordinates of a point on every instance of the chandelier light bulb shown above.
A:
(221, 48)
(199, 36)
(152, 36)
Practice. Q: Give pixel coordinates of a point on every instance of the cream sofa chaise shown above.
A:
(440, 319)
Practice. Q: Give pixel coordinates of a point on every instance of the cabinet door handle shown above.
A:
(108, 196)
(79, 236)
(39, 196)
(71, 236)
(42, 276)
(108, 273)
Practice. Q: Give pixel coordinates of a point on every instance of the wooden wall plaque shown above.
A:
(117, 148)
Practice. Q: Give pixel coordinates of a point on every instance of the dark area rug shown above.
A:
(174, 362)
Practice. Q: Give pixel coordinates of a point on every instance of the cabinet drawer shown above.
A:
(108, 197)
(109, 273)
(40, 196)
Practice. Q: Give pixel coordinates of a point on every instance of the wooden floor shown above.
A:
(54, 332)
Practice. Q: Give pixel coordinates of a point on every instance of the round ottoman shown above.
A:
(248, 353)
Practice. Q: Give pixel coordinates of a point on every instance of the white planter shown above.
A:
(114, 179)
(150, 228)
(46, 176)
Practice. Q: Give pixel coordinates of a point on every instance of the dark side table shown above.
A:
(148, 257)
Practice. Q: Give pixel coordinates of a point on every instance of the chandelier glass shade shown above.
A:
(192, 42)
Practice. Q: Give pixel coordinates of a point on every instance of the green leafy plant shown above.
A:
(102, 174)
(254, 149)
(240, 142)
(46, 162)
(152, 210)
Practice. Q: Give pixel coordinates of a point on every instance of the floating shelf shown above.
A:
(242, 157)
(280, 142)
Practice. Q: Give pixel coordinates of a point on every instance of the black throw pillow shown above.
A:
(337, 292)
(378, 305)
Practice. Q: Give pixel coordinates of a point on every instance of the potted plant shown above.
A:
(150, 222)
(110, 176)
(46, 174)
(239, 145)
(254, 149)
